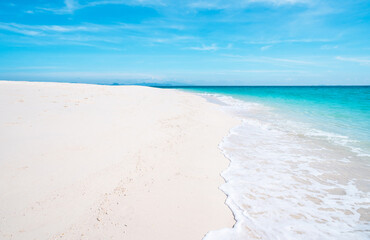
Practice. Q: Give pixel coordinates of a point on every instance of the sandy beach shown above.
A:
(84, 161)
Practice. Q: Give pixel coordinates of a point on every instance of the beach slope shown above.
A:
(109, 162)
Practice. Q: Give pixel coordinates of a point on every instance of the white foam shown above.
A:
(236, 103)
(287, 181)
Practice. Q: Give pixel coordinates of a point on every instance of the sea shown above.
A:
(299, 162)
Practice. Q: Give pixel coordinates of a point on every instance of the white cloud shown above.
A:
(264, 48)
(207, 5)
(329, 47)
(277, 41)
(70, 7)
(36, 67)
(108, 37)
(212, 47)
(281, 2)
(13, 28)
(234, 4)
(33, 30)
(362, 61)
(266, 71)
(295, 61)
(268, 60)
(73, 5)
(126, 2)
(111, 76)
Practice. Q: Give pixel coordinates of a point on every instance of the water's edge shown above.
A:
(338, 211)
(225, 233)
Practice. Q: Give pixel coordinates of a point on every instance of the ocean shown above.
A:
(299, 162)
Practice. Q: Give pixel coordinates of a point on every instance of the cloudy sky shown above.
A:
(246, 42)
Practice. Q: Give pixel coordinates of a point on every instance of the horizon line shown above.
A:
(164, 85)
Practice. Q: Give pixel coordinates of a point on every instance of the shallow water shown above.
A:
(299, 162)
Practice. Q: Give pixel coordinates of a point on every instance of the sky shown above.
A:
(186, 42)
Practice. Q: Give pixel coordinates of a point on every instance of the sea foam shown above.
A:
(287, 180)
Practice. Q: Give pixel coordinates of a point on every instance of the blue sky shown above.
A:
(247, 42)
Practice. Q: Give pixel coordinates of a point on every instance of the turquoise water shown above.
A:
(340, 110)
(299, 162)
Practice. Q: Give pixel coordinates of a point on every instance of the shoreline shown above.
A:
(82, 161)
(293, 174)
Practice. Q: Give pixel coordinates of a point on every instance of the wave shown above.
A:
(287, 180)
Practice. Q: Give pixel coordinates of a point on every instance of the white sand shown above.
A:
(109, 162)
